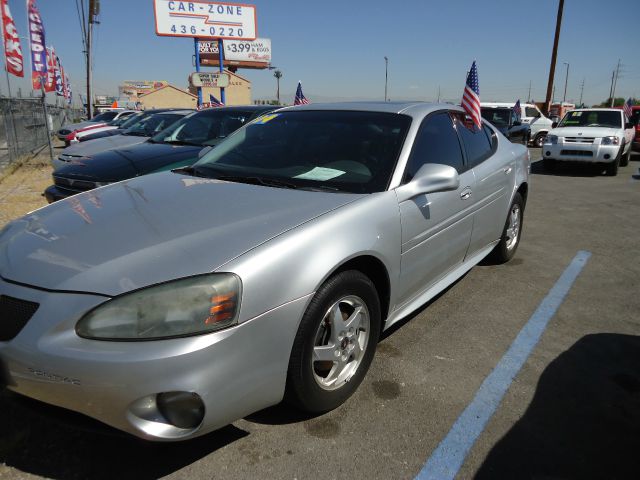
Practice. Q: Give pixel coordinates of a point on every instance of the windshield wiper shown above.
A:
(182, 142)
(253, 180)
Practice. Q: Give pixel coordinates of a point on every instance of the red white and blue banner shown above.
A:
(12, 49)
(38, 49)
(58, 77)
(50, 84)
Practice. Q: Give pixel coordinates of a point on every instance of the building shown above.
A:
(237, 93)
(132, 89)
(167, 96)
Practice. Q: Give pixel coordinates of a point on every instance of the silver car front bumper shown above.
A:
(235, 372)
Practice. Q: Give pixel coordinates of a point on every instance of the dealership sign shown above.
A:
(206, 79)
(258, 50)
(205, 19)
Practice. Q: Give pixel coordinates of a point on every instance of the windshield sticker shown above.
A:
(577, 114)
(321, 174)
(265, 119)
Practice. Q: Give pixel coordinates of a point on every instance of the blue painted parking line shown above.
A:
(448, 457)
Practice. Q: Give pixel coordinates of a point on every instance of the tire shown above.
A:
(539, 140)
(612, 167)
(510, 239)
(625, 159)
(317, 386)
(549, 164)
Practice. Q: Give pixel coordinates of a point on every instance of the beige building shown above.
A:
(168, 96)
(237, 93)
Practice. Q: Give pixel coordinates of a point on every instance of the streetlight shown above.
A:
(566, 77)
(386, 76)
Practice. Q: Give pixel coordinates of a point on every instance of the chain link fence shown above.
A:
(23, 128)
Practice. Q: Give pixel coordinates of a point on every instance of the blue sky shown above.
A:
(337, 48)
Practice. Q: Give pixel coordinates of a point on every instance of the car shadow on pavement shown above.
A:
(584, 420)
(568, 169)
(34, 443)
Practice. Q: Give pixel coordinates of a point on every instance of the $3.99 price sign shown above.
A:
(205, 19)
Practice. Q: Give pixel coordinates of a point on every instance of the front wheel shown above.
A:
(539, 140)
(506, 248)
(335, 343)
(624, 159)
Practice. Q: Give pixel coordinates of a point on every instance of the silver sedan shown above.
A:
(172, 304)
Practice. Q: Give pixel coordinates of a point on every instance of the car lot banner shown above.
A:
(38, 50)
(12, 49)
(50, 84)
(58, 77)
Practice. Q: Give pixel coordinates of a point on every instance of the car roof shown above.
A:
(173, 112)
(596, 110)
(409, 108)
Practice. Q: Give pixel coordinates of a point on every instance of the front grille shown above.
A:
(73, 185)
(577, 153)
(14, 315)
(579, 139)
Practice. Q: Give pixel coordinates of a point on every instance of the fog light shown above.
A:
(547, 153)
(181, 409)
(607, 156)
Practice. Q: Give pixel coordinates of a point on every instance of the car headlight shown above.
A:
(190, 306)
(610, 141)
(552, 139)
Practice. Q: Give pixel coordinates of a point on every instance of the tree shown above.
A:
(278, 75)
(617, 102)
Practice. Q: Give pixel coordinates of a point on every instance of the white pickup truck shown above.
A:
(593, 135)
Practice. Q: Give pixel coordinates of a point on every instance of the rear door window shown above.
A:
(475, 140)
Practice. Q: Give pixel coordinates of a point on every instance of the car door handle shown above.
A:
(507, 170)
(465, 194)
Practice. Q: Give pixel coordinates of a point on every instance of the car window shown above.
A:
(592, 118)
(475, 140)
(347, 151)
(436, 142)
(104, 117)
(205, 128)
(514, 117)
(498, 116)
(531, 112)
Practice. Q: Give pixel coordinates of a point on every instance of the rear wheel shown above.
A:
(539, 140)
(506, 249)
(335, 343)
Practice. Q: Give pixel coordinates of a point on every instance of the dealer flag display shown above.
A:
(50, 84)
(38, 50)
(12, 50)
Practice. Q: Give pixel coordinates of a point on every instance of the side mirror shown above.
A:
(554, 124)
(204, 151)
(430, 178)
(517, 123)
(628, 125)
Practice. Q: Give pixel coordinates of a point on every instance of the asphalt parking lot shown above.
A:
(572, 411)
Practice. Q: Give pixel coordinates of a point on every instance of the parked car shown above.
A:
(79, 135)
(635, 120)
(265, 271)
(591, 135)
(176, 146)
(532, 116)
(100, 119)
(508, 123)
(139, 131)
(126, 124)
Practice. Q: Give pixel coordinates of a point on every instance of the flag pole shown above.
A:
(46, 119)
(221, 56)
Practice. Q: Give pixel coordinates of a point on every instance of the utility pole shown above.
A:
(438, 93)
(581, 91)
(566, 78)
(386, 76)
(94, 10)
(554, 54)
(615, 82)
(529, 94)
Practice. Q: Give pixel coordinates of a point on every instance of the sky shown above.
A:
(337, 48)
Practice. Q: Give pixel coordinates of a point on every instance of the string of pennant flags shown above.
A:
(47, 72)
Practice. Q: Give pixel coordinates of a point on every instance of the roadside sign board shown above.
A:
(203, 19)
(209, 79)
(258, 50)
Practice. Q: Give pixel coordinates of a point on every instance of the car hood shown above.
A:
(150, 230)
(75, 126)
(123, 163)
(595, 132)
(92, 147)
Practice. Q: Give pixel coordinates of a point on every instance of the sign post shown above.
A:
(197, 45)
(223, 98)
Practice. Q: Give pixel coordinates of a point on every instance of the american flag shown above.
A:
(215, 102)
(300, 98)
(628, 111)
(517, 110)
(471, 96)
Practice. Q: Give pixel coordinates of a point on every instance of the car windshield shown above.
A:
(130, 120)
(151, 124)
(204, 128)
(317, 150)
(104, 117)
(498, 116)
(118, 122)
(592, 118)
